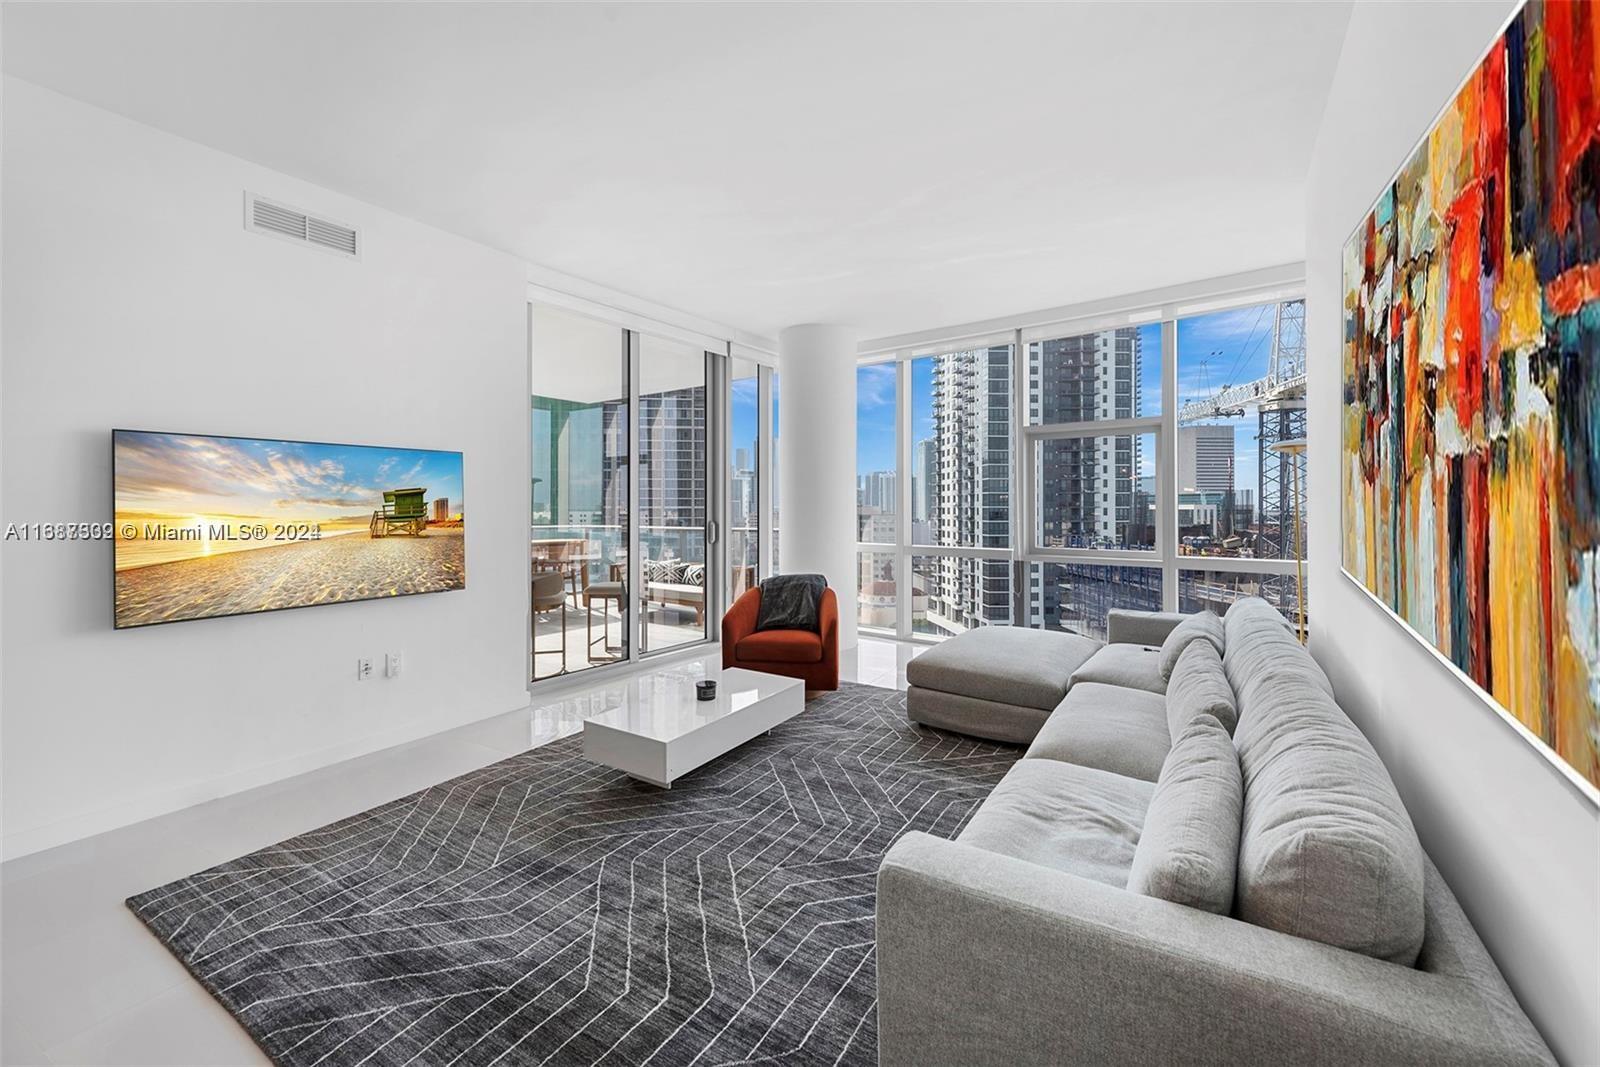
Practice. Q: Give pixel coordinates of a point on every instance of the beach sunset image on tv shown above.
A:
(208, 526)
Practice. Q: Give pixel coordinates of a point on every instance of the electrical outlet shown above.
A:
(363, 669)
(391, 664)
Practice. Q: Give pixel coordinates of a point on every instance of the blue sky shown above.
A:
(1215, 350)
(246, 477)
(1221, 349)
(744, 423)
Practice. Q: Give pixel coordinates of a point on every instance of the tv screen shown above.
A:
(209, 526)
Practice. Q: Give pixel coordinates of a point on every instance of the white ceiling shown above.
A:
(895, 167)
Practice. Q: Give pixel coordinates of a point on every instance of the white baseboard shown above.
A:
(17, 843)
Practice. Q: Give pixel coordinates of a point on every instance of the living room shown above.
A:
(880, 533)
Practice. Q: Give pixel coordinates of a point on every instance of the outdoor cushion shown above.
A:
(1199, 686)
(1107, 727)
(1327, 851)
(781, 646)
(1130, 666)
(1070, 818)
(1005, 664)
(1204, 624)
(1189, 848)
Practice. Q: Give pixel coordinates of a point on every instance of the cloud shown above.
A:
(874, 385)
(162, 470)
(331, 501)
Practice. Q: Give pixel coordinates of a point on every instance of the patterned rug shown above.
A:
(548, 910)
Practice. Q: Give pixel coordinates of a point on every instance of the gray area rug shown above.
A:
(548, 910)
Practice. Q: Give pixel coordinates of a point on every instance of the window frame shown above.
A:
(718, 355)
(1022, 549)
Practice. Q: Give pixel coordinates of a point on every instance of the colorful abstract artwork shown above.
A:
(1471, 409)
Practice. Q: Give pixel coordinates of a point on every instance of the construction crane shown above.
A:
(1285, 378)
(1280, 402)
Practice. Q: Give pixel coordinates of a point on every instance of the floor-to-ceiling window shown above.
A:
(960, 466)
(878, 565)
(1045, 475)
(744, 476)
(1241, 456)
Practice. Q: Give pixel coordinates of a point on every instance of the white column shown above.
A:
(817, 475)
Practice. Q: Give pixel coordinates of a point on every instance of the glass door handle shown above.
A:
(713, 533)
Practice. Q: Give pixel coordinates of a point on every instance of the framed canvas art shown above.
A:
(1471, 409)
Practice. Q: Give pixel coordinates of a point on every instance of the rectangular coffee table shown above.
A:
(661, 732)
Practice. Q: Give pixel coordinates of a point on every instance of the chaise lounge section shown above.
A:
(999, 682)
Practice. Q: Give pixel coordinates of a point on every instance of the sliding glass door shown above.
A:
(635, 474)
(578, 531)
(674, 474)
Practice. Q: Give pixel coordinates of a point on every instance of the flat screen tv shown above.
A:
(209, 526)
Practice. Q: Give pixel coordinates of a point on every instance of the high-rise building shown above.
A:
(1205, 459)
(1088, 491)
(968, 489)
(1086, 484)
(671, 471)
(924, 464)
(876, 489)
(441, 509)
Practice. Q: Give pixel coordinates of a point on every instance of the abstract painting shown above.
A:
(1471, 363)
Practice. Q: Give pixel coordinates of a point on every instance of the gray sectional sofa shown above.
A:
(1199, 860)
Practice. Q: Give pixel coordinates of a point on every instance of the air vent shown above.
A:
(280, 220)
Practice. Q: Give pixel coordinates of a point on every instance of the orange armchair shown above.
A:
(811, 657)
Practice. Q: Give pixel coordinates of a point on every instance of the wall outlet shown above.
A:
(363, 669)
(391, 665)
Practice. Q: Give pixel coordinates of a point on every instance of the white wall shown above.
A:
(134, 297)
(1519, 845)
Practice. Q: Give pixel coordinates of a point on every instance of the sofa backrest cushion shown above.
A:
(1327, 851)
(1204, 624)
(1188, 851)
(1199, 686)
(1259, 640)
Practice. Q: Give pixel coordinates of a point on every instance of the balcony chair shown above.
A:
(811, 657)
(550, 594)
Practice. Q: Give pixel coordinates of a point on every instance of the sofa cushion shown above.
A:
(1261, 653)
(1130, 666)
(993, 719)
(1327, 851)
(1007, 664)
(1107, 727)
(1199, 686)
(1201, 625)
(1063, 816)
(781, 646)
(1189, 848)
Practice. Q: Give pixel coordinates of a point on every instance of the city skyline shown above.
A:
(1215, 350)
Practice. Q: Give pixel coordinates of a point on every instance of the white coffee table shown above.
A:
(660, 732)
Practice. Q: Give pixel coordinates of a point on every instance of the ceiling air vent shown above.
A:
(280, 220)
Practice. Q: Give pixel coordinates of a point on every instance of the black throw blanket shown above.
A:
(791, 602)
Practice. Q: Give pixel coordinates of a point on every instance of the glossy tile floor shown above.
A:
(82, 982)
(667, 627)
